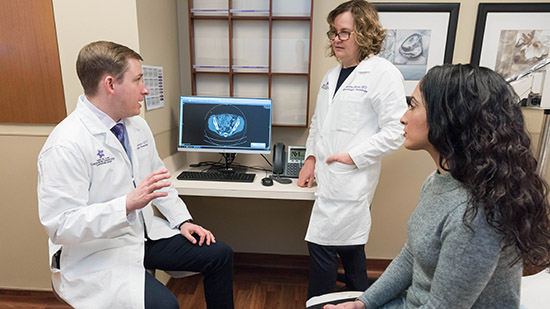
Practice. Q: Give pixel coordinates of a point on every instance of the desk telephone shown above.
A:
(288, 164)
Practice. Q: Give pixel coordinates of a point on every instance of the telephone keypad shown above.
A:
(293, 169)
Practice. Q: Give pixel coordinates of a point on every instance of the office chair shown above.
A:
(318, 302)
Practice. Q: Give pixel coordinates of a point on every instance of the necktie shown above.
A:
(118, 131)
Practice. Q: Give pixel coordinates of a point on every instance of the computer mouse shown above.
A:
(267, 181)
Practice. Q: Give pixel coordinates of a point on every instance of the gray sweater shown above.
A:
(444, 264)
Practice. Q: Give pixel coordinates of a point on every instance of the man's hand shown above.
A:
(188, 229)
(349, 305)
(146, 191)
(307, 173)
(343, 157)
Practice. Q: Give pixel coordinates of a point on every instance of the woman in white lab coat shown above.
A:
(94, 195)
(356, 123)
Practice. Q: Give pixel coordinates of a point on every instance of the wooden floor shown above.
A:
(252, 289)
(270, 288)
(29, 299)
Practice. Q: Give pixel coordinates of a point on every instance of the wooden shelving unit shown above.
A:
(254, 48)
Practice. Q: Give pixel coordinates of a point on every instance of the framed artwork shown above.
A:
(511, 37)
(418, 37)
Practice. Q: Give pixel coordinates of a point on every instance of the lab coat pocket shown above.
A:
(349, 115)
(340, 168)
(343, 182)
(88, 290)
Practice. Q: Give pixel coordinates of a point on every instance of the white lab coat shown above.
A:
(362, 119)
(84, 177)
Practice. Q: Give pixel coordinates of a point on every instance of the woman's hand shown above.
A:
(343, 157)
(349, 305)
(307, 173)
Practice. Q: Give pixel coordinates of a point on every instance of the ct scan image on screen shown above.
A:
(216, 124)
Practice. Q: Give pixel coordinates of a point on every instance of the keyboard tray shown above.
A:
(216, 176)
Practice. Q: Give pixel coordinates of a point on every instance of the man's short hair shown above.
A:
(99, 58)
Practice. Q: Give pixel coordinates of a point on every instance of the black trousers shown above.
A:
(214, 262)
(323, 268)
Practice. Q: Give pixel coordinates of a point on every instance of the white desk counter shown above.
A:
(176, 163)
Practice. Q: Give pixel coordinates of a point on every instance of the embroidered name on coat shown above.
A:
(356, 88)
(102, 159)
(142, 145)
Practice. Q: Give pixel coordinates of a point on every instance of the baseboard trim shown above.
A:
(375, 267)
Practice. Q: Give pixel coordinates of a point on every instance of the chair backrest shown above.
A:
(534, 290)
(318, 302)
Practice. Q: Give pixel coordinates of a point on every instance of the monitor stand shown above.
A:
(228, 168)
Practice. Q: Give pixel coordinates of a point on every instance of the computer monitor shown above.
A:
(225, 125)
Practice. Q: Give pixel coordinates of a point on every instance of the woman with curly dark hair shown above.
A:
(483, 214)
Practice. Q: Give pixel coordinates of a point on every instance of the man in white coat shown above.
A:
(95, 190)
(356, 123)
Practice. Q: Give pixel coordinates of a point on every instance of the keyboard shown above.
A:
(216, 176)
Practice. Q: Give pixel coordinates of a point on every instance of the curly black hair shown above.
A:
(476, 125)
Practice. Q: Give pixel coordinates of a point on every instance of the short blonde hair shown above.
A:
(99, 58)
(369, 34)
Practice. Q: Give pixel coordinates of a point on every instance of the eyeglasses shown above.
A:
(343, 35)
